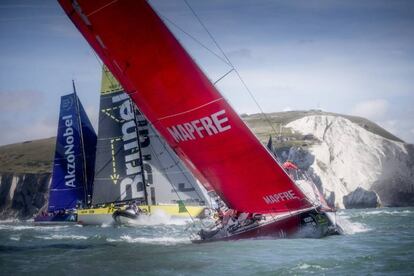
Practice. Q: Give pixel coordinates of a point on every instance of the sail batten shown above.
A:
(185, 107)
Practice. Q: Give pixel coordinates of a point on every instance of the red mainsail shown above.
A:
(176, 96)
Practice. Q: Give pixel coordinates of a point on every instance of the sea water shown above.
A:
(377, 242)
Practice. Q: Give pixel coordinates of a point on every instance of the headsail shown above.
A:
(118, 171)
(185, 108)
(68, 180)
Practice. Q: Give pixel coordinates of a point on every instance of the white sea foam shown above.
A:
(14, 227)
(15, 237)
(347, 226)
(48, 228)
(387, 212)
(351, 228)
(155, 240)
(308, 267)
(158, 218)
(374, 212)
(62, 237)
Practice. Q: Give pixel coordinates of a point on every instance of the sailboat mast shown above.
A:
(141, 161)
(85, 178)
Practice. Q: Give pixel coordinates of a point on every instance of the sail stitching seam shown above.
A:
(101, 8)
(191, 110)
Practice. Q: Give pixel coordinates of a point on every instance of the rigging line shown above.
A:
(267, 119)
(172, 158)
(222, 77)
(190, 110)
(172, 185)
(101, 8)
(231, 64)
(194, 39)
(176, 164)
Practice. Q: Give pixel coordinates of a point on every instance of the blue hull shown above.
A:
(56, 219)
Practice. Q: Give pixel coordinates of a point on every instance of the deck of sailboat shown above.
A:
(279, 225)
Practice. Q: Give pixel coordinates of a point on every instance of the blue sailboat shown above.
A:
(74, 162)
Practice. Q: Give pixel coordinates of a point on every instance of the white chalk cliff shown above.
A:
(347, 157)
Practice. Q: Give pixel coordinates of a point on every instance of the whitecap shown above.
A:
(306, 266)
(62, 237)
(147, 240)
(15, 237)
(14, 227)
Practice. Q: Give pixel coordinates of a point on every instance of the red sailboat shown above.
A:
(194, 118)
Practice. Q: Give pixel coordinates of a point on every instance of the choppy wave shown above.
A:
(377, 212)
(62, 237)
(153, 240)
(308, 267)
(15, 227)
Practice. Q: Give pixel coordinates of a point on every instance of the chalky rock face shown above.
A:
(348, 156)
(23, 195)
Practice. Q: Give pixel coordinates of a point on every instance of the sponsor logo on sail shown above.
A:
(69, 139)
(280, 197)
(134, 180)
(197, 129)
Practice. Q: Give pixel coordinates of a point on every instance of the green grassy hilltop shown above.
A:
(28, 157)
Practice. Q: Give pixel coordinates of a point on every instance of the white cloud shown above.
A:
(287, 108)
(373, 109)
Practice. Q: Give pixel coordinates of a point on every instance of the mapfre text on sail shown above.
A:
(206, 126)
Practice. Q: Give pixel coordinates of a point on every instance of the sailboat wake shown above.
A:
(158, 217)
(349, 227)
(166, 240)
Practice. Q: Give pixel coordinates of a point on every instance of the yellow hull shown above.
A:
(175, 210)
(104, 214)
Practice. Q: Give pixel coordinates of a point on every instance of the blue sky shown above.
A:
(352, 57)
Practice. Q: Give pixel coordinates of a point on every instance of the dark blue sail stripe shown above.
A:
(89, 140)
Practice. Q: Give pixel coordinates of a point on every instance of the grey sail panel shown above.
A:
(118, 174)
(169, 180)
(117, 169)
